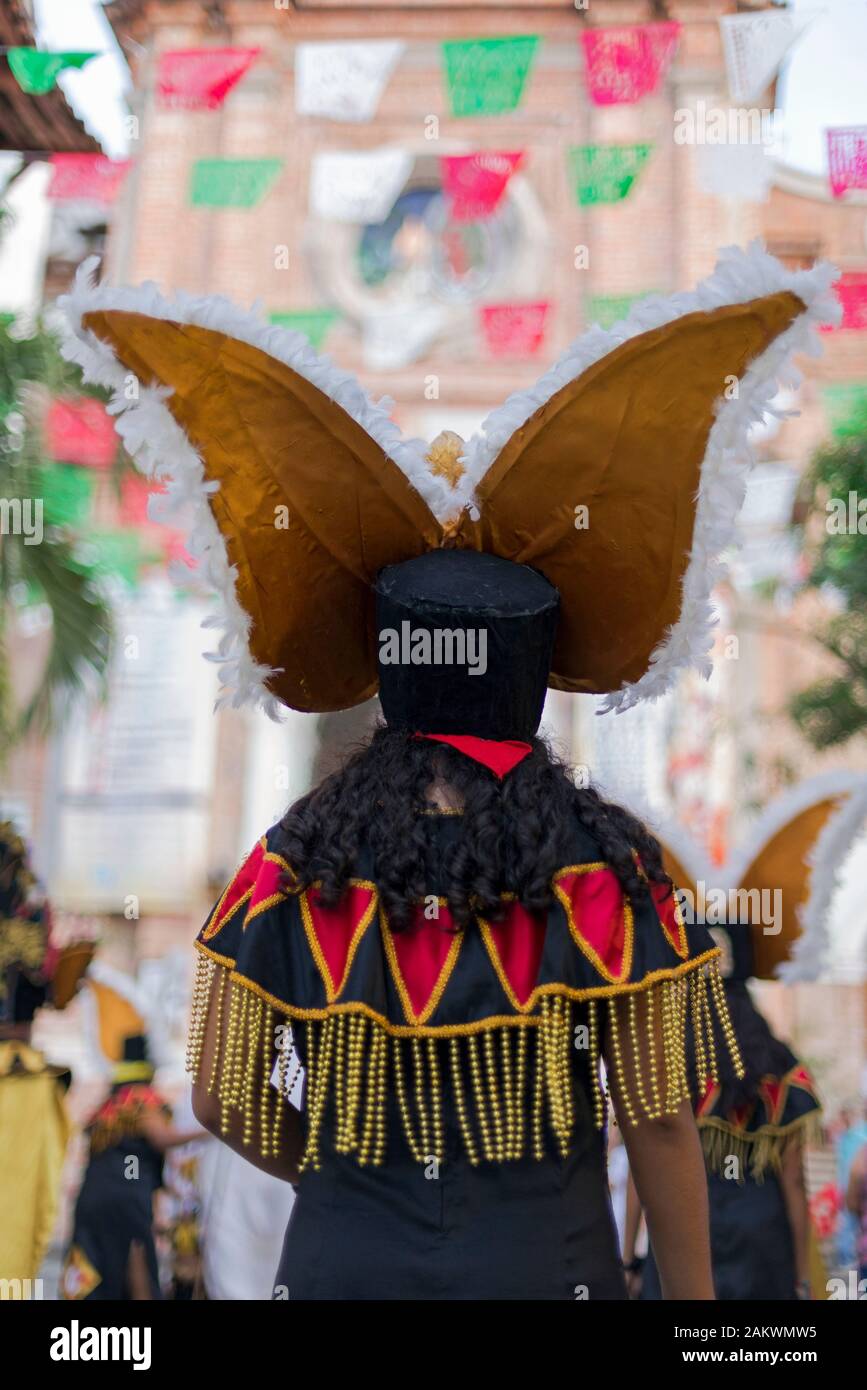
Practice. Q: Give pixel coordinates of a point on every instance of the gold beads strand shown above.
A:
(596, 1080)
(565, 1065)
(619, 1069)
(707, 1024)
(719, 999)
(479, 1093)
(311, 1157)
(539, 1096)
(439, 1144)
(520, 1083)
(381, 1099)
(656, 1100)
(509, 1092)
(697, 1029)
(283, 1091)
(204, 975)
(461, 1102)
(420, 1099)
(403, 1104)
(339, 1085)
(637, 1068)
(357, 1031)
(255, 1009)
(226, 1072)
(267, 1088)
(218, 1031)
(494, 1096)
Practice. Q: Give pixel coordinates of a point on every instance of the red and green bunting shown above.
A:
(605, 173)
(91, 176)
(313, 323)
(515, 329)
(485, 77)
(846, 408)
(608, 309)
(232, 183)
(200, 79)
(623, 63)
(67, 494)
(36, 72)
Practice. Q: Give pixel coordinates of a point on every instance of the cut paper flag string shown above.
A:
(92, 176)
(486, 77)
(344, 81)
(515, 330)
(851, 291)
(36, 71)
(200, 79)
(114, 554)
(846, 407)
(232, 183)
(313, 323)
(847, 158)
(605, 173)
(624, 63)
(608, 309)
(741, 172)
(754, 45)
(67, 494)
(81, 431)
(358, 185)
(474, 184)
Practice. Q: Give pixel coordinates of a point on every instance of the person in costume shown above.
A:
(34, 1127)
(754, 1127)
(112, 1253)
(447, 936)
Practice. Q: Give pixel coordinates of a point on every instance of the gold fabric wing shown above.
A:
(309, 505)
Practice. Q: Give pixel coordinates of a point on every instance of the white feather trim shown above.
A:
(161, 450)
(839, 833)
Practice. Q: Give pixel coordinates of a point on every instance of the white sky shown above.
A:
(825, 81)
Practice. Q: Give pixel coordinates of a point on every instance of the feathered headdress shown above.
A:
(796, 850)
(618, 475)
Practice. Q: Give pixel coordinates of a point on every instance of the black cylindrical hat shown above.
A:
(464, 644)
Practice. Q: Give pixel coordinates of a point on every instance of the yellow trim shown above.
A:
(132, 1071)
(214, 955)
(442, 980)
(751, 1136)
(450, 1030)
(332, 993)
(218, 920)
(491, 948)
(584, 946)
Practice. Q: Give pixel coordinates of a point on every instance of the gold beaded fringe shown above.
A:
(512, 1087)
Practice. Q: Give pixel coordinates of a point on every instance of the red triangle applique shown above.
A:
(515, 945)
(239, 891)
(799, 1076)
(670, 918)
(708, 1099)
(772, 1091)
(599, 917)
(335, 932)
(422, 957)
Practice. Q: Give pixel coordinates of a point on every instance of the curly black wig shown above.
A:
(514, 833)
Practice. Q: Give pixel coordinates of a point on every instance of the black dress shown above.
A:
(115, 1202)
(453, 1103)
(752, 1250)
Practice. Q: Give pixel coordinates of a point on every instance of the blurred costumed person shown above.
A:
(112, 1251)
(447, 935)
(768, 916)
(34, 1128)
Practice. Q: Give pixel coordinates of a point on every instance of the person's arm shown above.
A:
(666, 1161)
(795, 1198)
(856, 1184)
(207, 1109)
(162, 1134)
(631, 1228)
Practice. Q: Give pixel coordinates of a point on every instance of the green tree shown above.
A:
(834, 709)
(31, 372)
